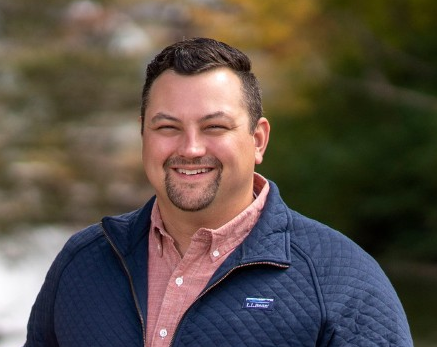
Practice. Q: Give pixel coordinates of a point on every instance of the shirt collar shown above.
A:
(225, 238)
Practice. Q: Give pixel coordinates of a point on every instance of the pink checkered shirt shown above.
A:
(175, 282)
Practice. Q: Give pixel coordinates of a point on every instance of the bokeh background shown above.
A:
(350, 88)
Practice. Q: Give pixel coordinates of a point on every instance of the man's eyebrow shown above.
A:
(163, 116)
(215, 115)
(218, 114)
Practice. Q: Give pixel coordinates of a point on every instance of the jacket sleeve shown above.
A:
(362, 307)
(40, 327)
(359, 306)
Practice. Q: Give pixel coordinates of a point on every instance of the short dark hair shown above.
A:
(197, 55)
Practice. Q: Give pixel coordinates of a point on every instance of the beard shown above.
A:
(190, 197)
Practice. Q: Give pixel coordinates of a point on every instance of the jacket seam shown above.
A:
(317, 286)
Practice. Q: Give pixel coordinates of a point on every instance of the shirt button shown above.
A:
(179, 281)
(216, 253)
(163, 333)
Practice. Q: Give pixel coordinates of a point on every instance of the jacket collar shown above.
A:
(128, 230)
(268, 241)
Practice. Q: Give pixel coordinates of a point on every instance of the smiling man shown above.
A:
(199, 149)
(215, 258)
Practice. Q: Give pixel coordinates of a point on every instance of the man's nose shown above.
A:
(192, 145)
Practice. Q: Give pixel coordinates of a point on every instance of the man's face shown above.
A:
(198, 151)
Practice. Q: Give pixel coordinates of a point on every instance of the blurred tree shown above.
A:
(70, 83)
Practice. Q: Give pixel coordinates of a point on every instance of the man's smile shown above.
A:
(193, 172)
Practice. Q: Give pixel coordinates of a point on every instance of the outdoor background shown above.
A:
(350, 88)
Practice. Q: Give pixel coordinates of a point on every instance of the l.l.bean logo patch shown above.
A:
(258, 303)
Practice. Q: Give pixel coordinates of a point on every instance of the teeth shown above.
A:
(192, 172)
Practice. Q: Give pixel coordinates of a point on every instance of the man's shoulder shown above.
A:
(317, 242)
(83, 238)
(77, 242)
(328, 249)
(92, 236)
(343, 271)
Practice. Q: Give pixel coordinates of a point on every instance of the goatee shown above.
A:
(189, 196)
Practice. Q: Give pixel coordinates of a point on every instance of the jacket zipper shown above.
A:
(221, 280)
(131, 283)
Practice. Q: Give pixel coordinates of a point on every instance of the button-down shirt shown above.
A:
(174, 281)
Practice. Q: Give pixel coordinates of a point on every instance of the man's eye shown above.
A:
(216, 127)
(166, 127)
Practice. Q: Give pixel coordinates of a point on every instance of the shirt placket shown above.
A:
(179, 290)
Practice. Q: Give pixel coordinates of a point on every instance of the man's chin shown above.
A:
(192, 196)
(191, 204)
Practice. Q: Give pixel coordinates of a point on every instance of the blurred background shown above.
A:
(350, 89)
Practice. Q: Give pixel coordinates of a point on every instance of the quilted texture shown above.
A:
(318, 289)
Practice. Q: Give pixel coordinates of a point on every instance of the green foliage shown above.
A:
(361, 155)
(363, 166)
(416, 285)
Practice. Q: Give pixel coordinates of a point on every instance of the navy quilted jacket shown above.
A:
(292, 282)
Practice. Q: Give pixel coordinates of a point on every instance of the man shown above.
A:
(215, 258)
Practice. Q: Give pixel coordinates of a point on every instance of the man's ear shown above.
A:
(261, 139)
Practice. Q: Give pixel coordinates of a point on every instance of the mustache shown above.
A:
(200, 161)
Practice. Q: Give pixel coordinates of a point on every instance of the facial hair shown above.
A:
(189, 197)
